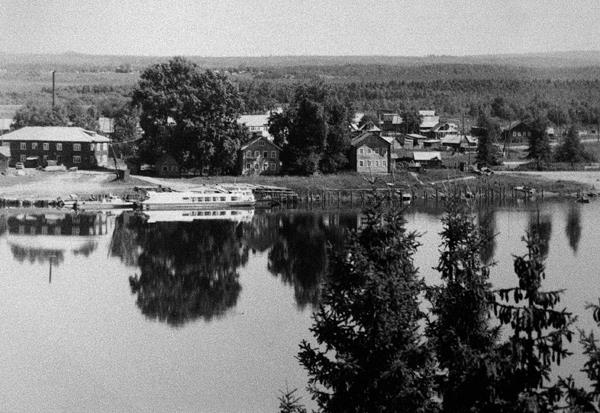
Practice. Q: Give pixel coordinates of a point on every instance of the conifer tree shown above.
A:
(463, 339)
(370, 354)
(538, 336)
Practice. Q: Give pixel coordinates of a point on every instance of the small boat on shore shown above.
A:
(203, 197)
(109, 202)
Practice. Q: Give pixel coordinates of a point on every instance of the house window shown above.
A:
(256, 154)
(273, 155)
(23, 158)
(33, 145)
(383, 163)
(59, 146)
(58, 159)
(514, 134)
(368, 163)
(272, 166)
(361, 151)
(248, 165)
(265, 154)
(23, 146)
(261, 143)
(77, 159)
(91, 146)
(46, 146)
(248, 153)
(77, 147)
(376, 163)
(265, 166)
(105, 146)
(361, 163)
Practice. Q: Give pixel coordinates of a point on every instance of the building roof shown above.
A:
(5, 151)
(243, 148)
(54, 134)
(416, 136)
(513, 125)
(427, 112)
(357, 141)
(426, 156)
(254, 120)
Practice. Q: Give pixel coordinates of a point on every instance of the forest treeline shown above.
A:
(451, 89)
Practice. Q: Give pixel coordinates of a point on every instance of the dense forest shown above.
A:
(565, 87)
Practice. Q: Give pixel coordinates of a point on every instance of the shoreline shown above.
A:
(36, 185)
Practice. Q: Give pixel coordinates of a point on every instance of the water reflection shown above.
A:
(542, 224)
(573, 227)
(188, 270)
(47, 237)
(486, 219)
(299, 254)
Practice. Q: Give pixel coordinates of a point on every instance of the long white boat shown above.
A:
(202, 197)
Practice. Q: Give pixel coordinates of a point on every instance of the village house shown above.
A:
(167, 167)
(260, 157)
(428, 120)
(258, 125)
(443, 129)
(459, 143)
(4, 158)
(390, 122)
(412, 140)
(516, 132)
(69, 146)
(371, 153)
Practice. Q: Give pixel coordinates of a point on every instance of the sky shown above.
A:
(298, 27)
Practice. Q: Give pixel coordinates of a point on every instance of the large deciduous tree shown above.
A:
(191, 114)
(487, 154)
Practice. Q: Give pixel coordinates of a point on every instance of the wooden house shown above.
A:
(166, 166)
(517, 131)
(260, 156)
(371, 153)
(69, 146)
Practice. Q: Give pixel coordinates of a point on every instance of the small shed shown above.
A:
(4, 158)
(167, 167)
(430, 159)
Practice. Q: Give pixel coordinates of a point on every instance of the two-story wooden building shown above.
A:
(69, 146)
(516, 132)
(260, 156)
(371, 153)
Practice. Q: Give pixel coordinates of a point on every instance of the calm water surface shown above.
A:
(129, 313)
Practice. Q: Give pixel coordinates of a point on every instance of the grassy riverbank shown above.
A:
(36, 185)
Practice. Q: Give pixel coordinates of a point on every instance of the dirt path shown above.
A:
(36, 184)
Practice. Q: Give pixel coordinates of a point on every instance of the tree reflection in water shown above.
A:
(487, 225)
(542, 224)
(188, 270)
(299, 256)
(573, 228)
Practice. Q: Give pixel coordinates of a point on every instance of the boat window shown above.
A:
(223, 199)
(234, 198)
(185, 198)
(234, 212)
(207, 199)
(222, 212)
(215, 199)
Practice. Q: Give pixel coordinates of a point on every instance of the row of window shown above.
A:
(76, 158)
(265, 154)
(519, 134)
(59, 146)
(265, 166)
(368, 151)
(372, 163)
(207, 199)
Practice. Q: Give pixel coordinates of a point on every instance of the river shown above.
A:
(177, 312)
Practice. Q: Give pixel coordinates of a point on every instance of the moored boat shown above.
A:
(203, 197)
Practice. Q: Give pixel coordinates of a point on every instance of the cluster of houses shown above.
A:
(376, 147)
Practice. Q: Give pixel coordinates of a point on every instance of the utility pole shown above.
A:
(53, 87)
